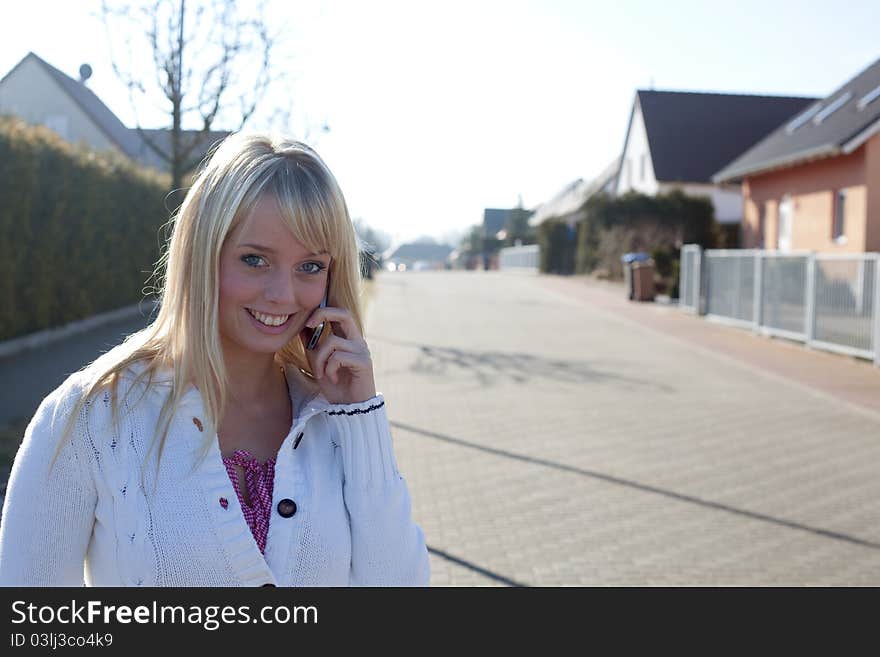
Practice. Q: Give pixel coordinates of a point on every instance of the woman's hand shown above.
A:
(342, 364)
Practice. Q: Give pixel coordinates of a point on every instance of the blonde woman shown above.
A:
(214, 447)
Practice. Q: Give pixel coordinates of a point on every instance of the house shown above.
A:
(678, 140)
(568, 204)
(814, 182)
(494, 221)
(417, 256)
(39, 93)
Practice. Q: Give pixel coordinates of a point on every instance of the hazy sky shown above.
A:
(438, 110)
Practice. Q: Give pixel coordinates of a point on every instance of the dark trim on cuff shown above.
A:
(358, 411)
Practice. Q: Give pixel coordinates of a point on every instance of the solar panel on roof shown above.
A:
(868, 98)
(832, 108)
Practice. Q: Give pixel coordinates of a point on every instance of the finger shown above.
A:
(339, 316)
(332, 344)
(340, 360)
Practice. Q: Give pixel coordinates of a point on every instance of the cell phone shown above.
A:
(316, 333)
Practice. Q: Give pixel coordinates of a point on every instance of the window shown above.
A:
(762, 220)
(644, 159)
(59, 124)
(837, 230)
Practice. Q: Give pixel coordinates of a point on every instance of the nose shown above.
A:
(281, 291)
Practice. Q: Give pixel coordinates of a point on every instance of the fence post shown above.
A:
(737, 300)
(758, 304)
(699, 283)
(875, 311)
(810, 314)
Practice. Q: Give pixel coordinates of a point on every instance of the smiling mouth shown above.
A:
(268, 320)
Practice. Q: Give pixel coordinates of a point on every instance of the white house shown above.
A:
(678, 140)
(568, 204)
(38, 93)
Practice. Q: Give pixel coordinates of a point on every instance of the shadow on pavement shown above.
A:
(489, 367)
(475, 568)
(644, 487)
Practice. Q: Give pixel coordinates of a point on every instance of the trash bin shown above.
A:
(643, 280)
(628, 260)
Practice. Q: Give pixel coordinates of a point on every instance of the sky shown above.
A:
(438, 110)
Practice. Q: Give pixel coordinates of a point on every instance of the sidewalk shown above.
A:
(847, 379)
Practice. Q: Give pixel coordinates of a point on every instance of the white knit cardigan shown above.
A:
(92, 522)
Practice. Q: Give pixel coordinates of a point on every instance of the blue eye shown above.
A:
(320, 266)
(247, 259)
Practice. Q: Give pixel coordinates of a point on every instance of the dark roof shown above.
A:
(803, 138)
(692, 135)
(100, 114)
(162, 139)
(494, 220)
(421, 251)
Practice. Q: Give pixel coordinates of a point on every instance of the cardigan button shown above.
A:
(270, 584)
(286, 508)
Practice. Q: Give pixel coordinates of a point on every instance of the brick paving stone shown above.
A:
(553, 436)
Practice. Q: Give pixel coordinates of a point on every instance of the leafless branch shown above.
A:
(206, 84)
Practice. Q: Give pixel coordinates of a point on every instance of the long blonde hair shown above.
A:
(184, 335)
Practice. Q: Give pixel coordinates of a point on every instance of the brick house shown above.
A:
(814, 182)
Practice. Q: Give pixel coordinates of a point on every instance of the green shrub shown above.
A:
(78, 229)
(558, 245)
(658, 225)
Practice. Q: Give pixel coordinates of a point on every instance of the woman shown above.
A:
(214, 448)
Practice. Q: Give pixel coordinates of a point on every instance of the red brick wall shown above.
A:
(813, 188)
(872, 175)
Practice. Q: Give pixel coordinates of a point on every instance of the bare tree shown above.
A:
(209, 62)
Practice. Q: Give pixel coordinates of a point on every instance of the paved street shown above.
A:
(27, 377)
(553, 434)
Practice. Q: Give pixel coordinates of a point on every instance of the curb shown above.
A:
(48, 336)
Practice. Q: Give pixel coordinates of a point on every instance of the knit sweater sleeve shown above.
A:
(387, 546)
(47, 516)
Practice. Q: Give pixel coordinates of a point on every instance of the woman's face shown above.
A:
(269, 283)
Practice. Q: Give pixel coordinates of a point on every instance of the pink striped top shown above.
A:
(259, 479)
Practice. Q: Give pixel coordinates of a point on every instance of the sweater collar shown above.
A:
(305, 396)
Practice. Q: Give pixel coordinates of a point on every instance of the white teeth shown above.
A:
(268, 320)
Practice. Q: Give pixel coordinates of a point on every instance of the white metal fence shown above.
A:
(520, 258)
(828, 301)
(689, 279)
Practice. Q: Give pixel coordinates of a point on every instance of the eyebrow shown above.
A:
(269, 249)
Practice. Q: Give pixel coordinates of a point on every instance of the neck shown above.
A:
(254, 383)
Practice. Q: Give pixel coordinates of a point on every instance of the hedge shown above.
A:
(79, 230)
(558, 246)
(612, 226)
